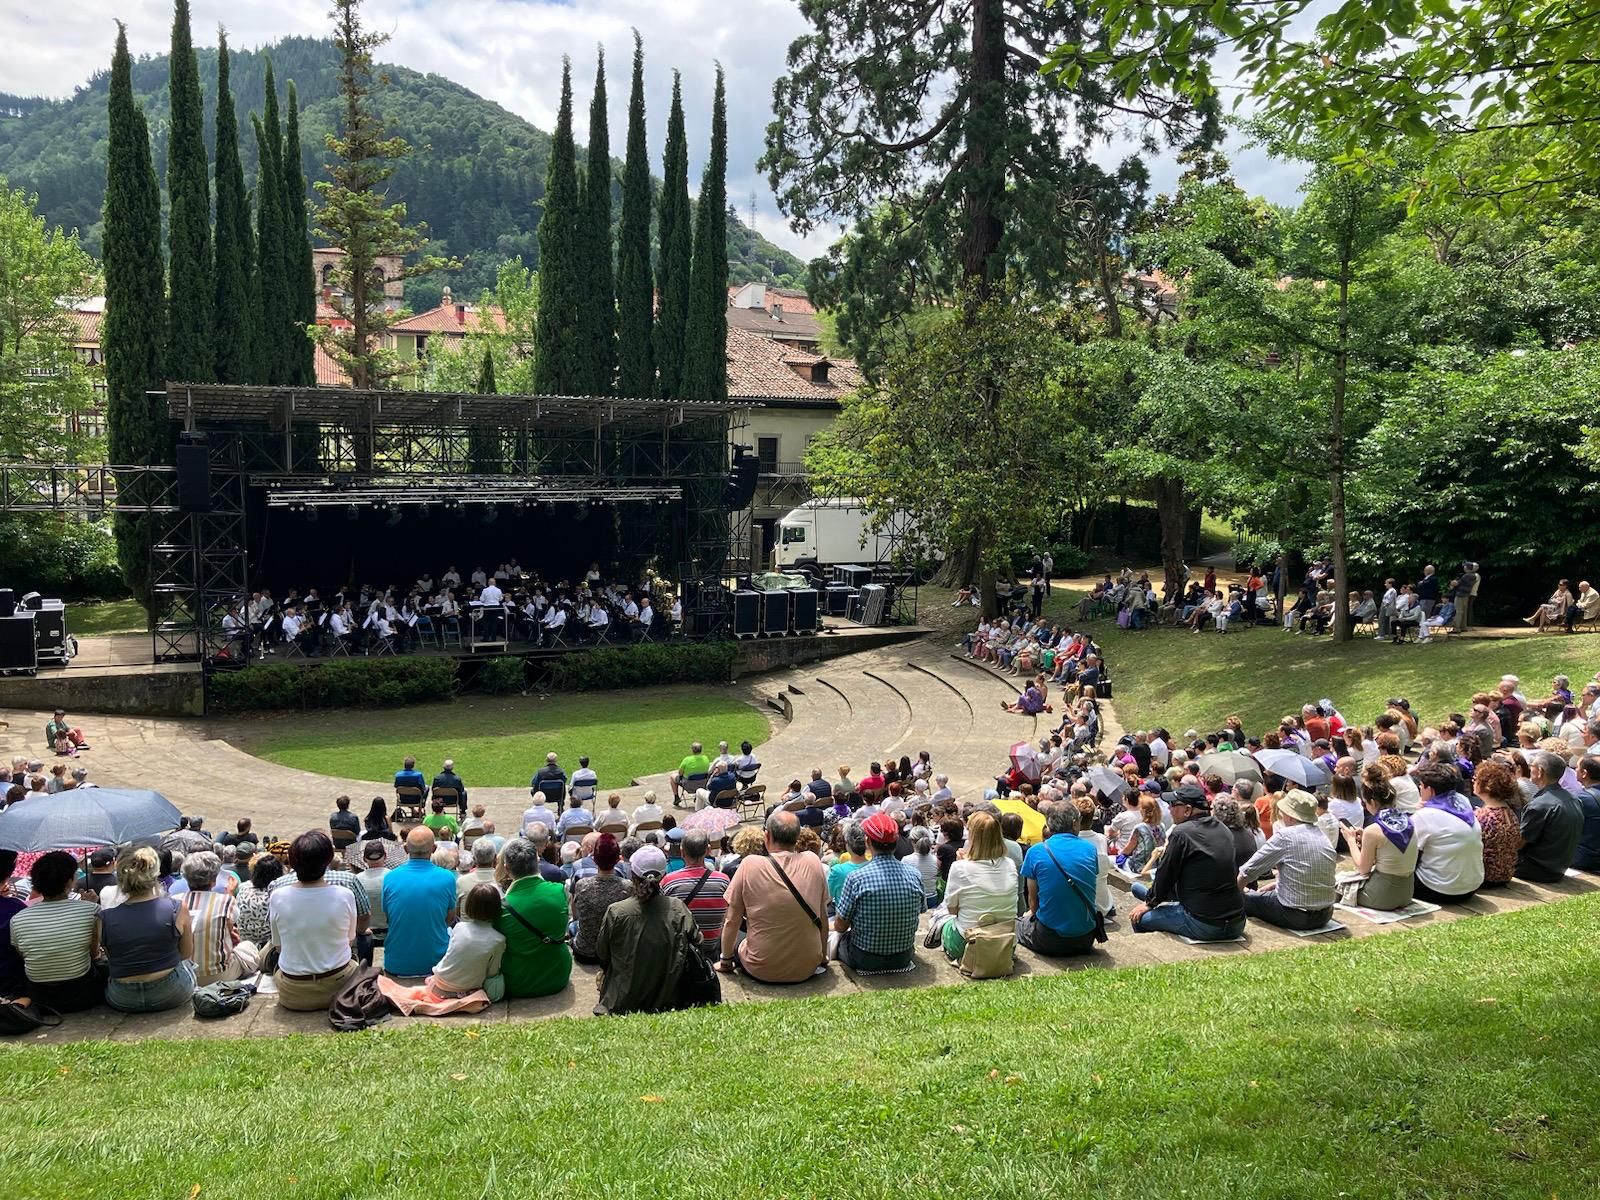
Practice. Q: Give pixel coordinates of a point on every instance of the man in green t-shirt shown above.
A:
(442, 823)
(691, 773)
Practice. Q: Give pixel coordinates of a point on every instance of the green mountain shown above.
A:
(476, 176)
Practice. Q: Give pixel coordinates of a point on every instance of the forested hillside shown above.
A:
(477, 176)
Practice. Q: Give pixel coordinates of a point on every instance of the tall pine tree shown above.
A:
(675, 232)
(559, 367)
(235, 244)
(599, 299)
(299, 278)
(635, 300)
(271, 294)
(191, 351)
(136, 421)
(705, 358)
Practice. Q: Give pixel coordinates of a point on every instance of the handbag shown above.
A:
(17, 1018)
(991, 948)
(698, 984)
(1099, 917)
(224, 999)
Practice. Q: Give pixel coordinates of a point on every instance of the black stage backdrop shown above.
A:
(289, 551)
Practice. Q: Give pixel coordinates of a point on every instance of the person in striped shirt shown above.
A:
(58, 939)
(219, 954)
(708, 888)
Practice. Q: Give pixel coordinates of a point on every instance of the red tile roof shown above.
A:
(451, 318)
(86, 327)
(329, 372)
(761, 369)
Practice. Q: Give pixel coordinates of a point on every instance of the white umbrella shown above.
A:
(85, 817)
(1231, 765)
(1106, 781)
(1293, 766)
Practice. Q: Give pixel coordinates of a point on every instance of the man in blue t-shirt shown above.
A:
(419, 902)
(1060, 874)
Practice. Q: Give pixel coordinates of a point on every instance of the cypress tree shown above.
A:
(635, 301)
(135, 316)
(599, 299)
(299, 278)
(705, 358)
(483, 444)
(271, 295)
(558, 364)
(672, 271)
(191, 351)
(235, 244)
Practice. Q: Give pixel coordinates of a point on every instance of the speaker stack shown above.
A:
(803, 611)
(775, 612)
(194, 474)
(17, 649)
(746, 614)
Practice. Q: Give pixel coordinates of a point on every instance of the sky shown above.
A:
(510, 51)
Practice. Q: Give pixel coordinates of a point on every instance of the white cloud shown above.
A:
(509, 51)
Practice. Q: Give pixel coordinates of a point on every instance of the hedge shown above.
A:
(643, 665)
(342, 683)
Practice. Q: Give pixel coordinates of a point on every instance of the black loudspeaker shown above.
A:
(746, 614)
(50, 632)
(775, 613)
(742, 480)
(839, 596)
(8, 602)
(17, 652)
(803, 612)
(194, 477)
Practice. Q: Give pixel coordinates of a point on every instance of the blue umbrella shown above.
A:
(93, 816)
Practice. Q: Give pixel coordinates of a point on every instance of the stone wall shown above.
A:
(771, 654)
(151, 692)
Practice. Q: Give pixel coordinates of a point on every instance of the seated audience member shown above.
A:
(549, 786)
(1304, 860)
(64, 737)
(585, 783)
(58, 937)
(592, 896)
(702, 889)
(1449, 842)
(342, 820)
(851, 847)
(313, 926)
(645, 941)
(444, 826)
(474, 826)
(981, 885)
(926, 863)
(611, 819)
(447, 778)
(149, 943)
(1230, 812)
(419, 902)
(481, 871)
(1384, 850)
(1552, 822)
(723, 780)
(250, 901)
(533, 919)
(576, 821)
(476, 950)
(647, 814)
(377, 824)
(1588, 856)
(219, 954)
(409, 776)
(1062, 876)
(780, 900)
(1195, 893)
(879, 906)
(13, 978)
(1495, 785)
(693, 767)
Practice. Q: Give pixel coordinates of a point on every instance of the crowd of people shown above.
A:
(1207, 831)
(508, 603)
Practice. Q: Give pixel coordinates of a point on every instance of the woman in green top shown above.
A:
(534, 921)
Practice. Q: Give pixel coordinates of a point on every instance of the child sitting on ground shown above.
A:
(472, 960)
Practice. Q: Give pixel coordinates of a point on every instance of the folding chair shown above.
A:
(747, 775)
(752, 799)
(451, 632)
(381, 645)
(340, 645)
(292, 647)
(408, 804)
(451, 798)
(576, 833)
(688, 786)
(606, 824)
(642, 826)
(426, 634)
(343, 838)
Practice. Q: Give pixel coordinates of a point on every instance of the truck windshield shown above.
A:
(793, 533)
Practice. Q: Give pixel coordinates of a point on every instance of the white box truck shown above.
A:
(827, 533)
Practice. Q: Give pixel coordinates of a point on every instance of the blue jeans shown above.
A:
(154, 995)
(1172, 917)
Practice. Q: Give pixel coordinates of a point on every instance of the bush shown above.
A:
(343, 683)
(643, 666)
(500, 676)
(1067, 560)
(62, 558)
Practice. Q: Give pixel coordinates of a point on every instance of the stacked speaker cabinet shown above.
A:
(803, 611)
(839, 597)
(17, 651)
(873, 599)
(746, 614)
(50, 633)
(775, 613)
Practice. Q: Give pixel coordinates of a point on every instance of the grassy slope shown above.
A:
(1454, 1061)
(106, 616)
(499, 742)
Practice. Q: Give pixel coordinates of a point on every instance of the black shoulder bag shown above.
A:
(795, 892)
(1099, 918)
(535, 930)
(698, 984)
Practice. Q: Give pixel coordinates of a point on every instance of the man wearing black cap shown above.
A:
(1195, 893)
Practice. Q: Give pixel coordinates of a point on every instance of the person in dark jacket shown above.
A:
(1195, 893)
(644, 942)
(1552, 822)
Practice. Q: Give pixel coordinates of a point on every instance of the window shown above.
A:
(793, 534)
(767, 453)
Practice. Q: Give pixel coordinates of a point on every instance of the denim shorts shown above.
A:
(153, 995)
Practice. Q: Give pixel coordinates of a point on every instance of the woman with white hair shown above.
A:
(219, 953)
(148, 939)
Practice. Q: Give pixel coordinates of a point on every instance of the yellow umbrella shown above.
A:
(1032, 819)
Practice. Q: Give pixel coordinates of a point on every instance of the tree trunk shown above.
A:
(984, 146)
(1171, 513)
(1341, 369)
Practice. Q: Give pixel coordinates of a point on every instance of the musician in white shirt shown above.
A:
(599, 618)
(451, 578)
(479, 577)
(554, 621)
(647, 616)
(293, 623)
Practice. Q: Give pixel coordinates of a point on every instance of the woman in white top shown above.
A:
(1449, 840)
(982, 883)
(476, 948)
(313, 923)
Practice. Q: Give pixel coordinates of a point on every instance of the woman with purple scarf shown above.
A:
(1385, 850)
(1449, 838)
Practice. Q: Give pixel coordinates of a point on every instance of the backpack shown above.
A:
(223, 999)
(991, 948)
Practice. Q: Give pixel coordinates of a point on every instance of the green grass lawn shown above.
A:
(499, 742)
(1454, 1062)
(98, 617)
(1184, 680)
